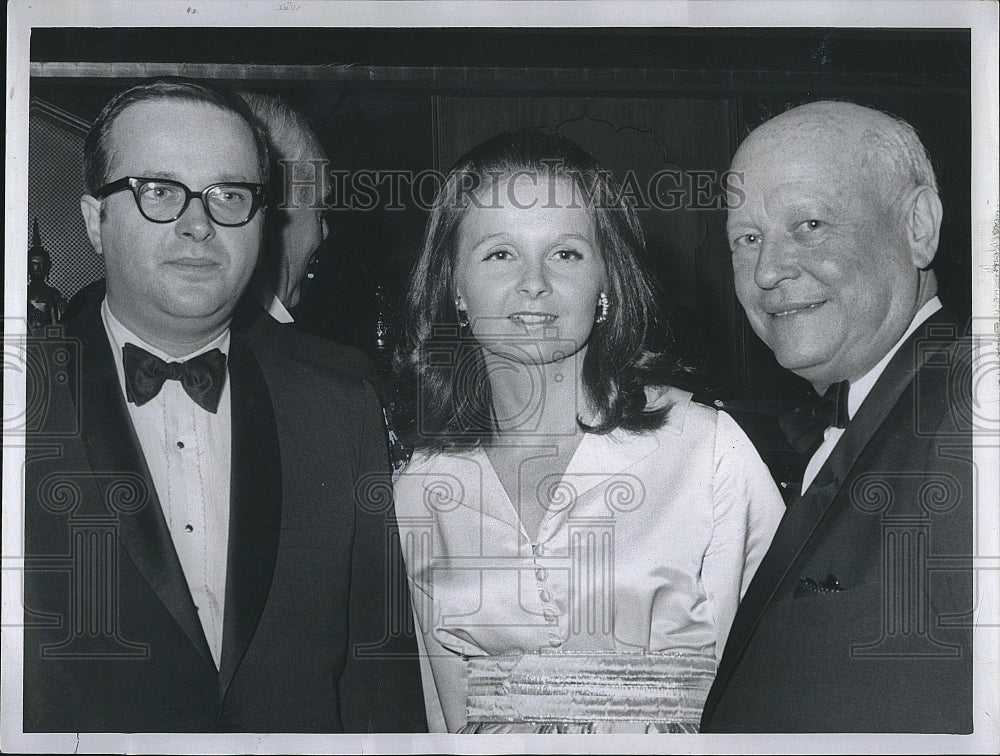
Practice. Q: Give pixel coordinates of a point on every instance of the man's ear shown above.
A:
(923, 213)
(91, 209)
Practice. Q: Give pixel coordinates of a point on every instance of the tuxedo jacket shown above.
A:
(316, 636)
(859, 617)
(252, 320)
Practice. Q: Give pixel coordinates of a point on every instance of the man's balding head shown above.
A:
(838, 223)
(297, 223)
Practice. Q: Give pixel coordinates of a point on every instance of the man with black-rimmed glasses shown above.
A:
(223, 561)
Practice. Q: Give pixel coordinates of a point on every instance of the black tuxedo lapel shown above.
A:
(112, 446)
(255, 506)
(806, 511)
(898, 375)
(801, 517)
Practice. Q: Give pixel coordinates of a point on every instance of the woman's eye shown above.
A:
(812, 224)
(498, 254)
(568, 254)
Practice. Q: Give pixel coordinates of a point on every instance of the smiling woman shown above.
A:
(527, 270)
(533, 224)
(576, 530)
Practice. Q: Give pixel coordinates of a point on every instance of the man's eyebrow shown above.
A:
(238, 178)
(159, 174)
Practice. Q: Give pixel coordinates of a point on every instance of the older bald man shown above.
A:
(857, 619)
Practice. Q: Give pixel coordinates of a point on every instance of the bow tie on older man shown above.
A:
(805, 426)
(202, 376)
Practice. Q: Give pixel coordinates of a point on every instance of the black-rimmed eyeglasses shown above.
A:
(163, 200)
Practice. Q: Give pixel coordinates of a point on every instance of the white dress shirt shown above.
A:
(187, 450)
(858, 391)
(274, 306)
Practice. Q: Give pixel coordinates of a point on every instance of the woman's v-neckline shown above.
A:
(545, 526)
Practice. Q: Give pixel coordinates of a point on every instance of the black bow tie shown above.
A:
(202, 377)
(804, 427)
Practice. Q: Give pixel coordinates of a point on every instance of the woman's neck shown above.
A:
(537, 399)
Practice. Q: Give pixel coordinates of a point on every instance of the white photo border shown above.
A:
(980, 17)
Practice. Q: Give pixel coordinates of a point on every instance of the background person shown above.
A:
(296, 224)
(293, 231)
(574, 524)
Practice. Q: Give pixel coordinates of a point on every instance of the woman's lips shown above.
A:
(533, 318)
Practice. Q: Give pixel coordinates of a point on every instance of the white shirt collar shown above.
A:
(274, 306)
(863, 386)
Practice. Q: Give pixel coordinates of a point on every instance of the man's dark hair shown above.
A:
(97, 151)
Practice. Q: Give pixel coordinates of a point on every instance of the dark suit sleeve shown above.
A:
(380, 687)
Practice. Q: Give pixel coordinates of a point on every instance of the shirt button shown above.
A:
(180, 444)
(550, 616)
(189, 528)
(555, 642)
(541, 574)
(545, 595)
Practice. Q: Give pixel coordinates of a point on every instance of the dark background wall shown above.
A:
(413, 100)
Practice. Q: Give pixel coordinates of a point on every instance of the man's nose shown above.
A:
(775, 263)
(194, 223)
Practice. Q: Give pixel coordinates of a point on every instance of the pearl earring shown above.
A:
(604, 304)
(463, 316)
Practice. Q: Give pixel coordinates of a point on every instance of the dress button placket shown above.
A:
(550, 612)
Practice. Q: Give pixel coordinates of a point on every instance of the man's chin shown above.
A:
(206, 312)
(804, 362)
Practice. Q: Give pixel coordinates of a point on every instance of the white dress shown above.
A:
(614, 618)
